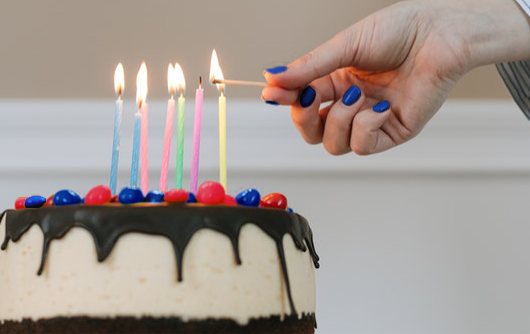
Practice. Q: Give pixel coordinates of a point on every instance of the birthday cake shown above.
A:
(163, 263)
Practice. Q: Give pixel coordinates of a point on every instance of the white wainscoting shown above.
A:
(431, 237)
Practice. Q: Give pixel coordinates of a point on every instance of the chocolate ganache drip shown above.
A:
(177, 222)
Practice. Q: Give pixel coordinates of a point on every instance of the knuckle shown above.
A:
(332, 149)
(360, 149)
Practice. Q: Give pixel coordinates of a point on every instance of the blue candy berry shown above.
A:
(34, 202)
(191, 198)
(66, 197)
(131, 195)
(249, 197)
(154, 196)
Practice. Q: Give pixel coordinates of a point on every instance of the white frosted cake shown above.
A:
(156, 268)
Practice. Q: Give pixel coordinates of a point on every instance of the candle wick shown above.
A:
(200, 81)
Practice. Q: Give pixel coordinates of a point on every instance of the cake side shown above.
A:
(138, 272)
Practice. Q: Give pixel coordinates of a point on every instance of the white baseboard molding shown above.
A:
(75, 136)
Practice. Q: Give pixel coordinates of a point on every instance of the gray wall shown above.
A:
(69, 49)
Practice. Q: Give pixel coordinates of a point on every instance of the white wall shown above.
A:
(431, 237)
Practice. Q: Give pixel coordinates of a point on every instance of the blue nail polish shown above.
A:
(351, 96)
(272, 103)
(276, 70)
(381, 106)
(307, 97)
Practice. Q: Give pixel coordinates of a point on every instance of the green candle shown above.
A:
(180, 127)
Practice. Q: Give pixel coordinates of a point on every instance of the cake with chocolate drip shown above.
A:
(167, 267)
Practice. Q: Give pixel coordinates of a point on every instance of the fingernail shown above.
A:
(381, 106)
(307, 97)
(272, 103)
(351, 96)
(276, 70)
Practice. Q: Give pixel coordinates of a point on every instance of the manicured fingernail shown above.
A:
(272, 103)
(381, 106)
(276, 70)
(307, 97)
(351, 96)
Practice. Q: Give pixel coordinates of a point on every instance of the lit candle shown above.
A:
(217, 74)
(144, 133)
(199, 93)
(171, 86)
(118, 88)
(141, 94)
(181, 84)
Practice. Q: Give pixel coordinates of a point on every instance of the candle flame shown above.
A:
(215, 71)
(141, 84)
(119, 79)
(179, 78)
(171, 80)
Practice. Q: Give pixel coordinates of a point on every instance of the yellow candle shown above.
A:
(222, 140)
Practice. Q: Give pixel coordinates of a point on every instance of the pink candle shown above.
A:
(169, 128)
(196, 138)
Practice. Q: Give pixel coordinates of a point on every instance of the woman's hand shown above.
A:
(388, 74)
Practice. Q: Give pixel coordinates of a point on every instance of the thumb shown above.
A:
(336, 53)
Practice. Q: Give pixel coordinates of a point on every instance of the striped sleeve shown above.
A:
(516, 75)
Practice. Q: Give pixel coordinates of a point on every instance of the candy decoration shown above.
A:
(98, 195)
(230, 201)
(20, 203)
(131, 195)
(66, 197)
(34, 202)
(154, 196)
(49, 201)
(249, 197)
(176, 195)
(290, 210)
(115, 199)
(211, 192)
(191, 198)
(274, 200)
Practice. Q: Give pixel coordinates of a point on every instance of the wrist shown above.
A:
(491, 31)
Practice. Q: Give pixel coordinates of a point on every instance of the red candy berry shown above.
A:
(211, 192)
(115, 199)
(176, 195)
(49, 201)
(98, 195)
(274, 200)
(20, 203)
(230, 201)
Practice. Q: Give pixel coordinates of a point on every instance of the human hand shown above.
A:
(410, 54)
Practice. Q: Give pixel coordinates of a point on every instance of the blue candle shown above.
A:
(136, 148)
(118, 88)
(115, 146)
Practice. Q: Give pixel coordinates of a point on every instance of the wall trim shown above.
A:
(74, 136)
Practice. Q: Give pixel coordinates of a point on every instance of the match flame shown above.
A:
(119, 79)
(215, 71)
(171, 80)
(179, 79)
(141, 85)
